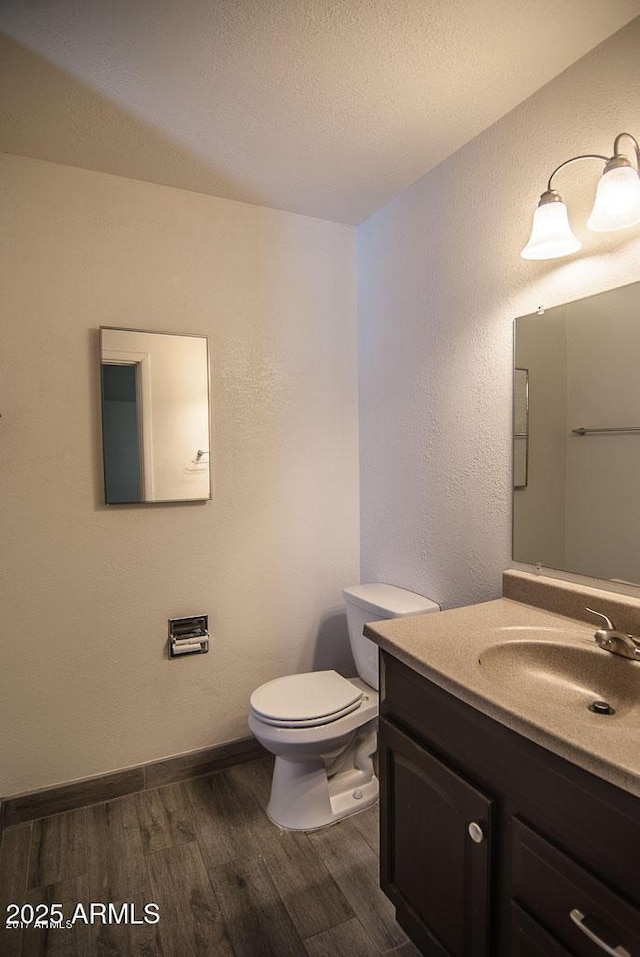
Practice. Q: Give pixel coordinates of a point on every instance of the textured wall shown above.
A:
(86, 590)
(440, 280)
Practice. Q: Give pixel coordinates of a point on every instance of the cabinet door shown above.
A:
(432, 869)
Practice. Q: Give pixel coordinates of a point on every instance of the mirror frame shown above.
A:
(145, 386)
(619, 584)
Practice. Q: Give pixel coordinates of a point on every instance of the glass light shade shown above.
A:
(617, 204)
(551, 235)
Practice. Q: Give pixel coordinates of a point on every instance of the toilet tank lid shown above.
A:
(389, 601)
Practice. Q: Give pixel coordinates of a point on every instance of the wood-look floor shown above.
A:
(227, 882)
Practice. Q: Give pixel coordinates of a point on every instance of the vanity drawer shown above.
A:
(568, 901)
(528, 939)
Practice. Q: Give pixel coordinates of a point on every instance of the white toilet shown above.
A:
(322, 727)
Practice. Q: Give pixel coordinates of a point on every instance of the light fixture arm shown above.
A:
(616, 151)
(573, 159)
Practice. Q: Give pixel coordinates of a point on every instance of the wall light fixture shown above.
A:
(616, 206)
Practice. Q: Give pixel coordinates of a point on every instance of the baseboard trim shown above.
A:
(67, 797)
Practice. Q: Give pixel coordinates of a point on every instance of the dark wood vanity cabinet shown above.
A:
(431, 867)
(491, 846)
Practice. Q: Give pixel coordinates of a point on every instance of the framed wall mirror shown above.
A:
(155, 416)
(579, 510)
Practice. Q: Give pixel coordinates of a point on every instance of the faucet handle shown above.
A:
(610, 625)
(615, 641)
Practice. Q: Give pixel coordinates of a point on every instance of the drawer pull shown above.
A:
(578, 919)
(476, 833)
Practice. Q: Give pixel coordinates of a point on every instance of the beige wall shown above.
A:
(85, 686)
(440, 281)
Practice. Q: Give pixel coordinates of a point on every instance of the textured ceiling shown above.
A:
(323, 107)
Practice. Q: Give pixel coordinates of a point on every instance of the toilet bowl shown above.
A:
(312, 783)
(322, 728)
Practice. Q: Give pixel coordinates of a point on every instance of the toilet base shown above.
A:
(322, 772)
(303, 799)
(307, 795)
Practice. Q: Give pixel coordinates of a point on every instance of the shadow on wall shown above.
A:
(48, 114)
(332, 650)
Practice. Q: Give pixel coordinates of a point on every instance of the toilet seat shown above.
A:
(307, 700)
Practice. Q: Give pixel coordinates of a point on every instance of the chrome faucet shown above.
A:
(616, 641)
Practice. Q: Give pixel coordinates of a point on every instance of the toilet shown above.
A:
(322, 728)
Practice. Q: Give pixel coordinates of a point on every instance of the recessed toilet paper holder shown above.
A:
(188, 636)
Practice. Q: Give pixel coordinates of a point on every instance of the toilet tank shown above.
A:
(376, 602)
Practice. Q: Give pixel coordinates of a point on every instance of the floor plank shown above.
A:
(226, 817)
(354, 867)
(14, 862)
(368, 823)
(346, 940)
(60, 941)
(115, 854)
(406, 950)
(255, 776)
(256, 919)
(307, 889)
(165, 820)
(128, 939)
(191, 924)
(58, 848)
(14, 871)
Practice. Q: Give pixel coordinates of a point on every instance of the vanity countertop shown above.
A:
(450, 649)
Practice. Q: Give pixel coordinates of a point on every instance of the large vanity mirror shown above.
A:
(576, 499)
(155, 416)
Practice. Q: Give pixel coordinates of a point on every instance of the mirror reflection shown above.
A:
(155, 416)
(579, 510)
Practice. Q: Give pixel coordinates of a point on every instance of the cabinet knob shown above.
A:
(476, 833)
